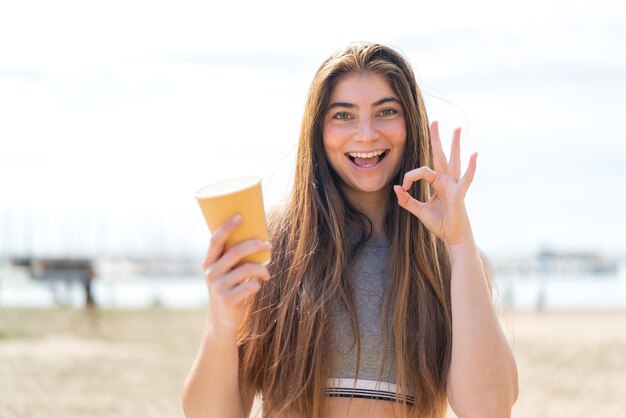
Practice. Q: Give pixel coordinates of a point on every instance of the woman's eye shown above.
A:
(388, 111)
(341, 116)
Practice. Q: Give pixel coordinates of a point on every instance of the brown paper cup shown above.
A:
(221, 201)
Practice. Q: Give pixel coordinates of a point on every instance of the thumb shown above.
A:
(407, 202)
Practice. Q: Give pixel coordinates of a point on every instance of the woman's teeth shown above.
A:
(366, 159)
(366, 154)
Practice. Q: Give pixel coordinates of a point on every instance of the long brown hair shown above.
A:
(286, 337)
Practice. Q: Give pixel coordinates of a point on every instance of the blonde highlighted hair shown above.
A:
(285, 341)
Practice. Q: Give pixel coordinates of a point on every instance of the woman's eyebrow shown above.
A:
(386, 100)
(376, 103)
(341, 104)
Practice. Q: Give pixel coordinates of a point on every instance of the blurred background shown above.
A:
(113, 114)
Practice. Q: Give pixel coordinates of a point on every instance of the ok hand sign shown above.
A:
(444, 214)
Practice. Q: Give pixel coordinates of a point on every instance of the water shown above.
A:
(518, 292)
(590, 292)
(127, 293)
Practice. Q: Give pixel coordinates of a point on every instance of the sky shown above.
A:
(113, 114)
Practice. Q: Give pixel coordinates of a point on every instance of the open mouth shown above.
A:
(367, 159)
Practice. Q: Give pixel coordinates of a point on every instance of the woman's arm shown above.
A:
(213, 387)
(482, 381)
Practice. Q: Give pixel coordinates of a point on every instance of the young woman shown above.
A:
(375, 303)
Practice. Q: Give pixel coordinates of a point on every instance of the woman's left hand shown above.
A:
(444, 214)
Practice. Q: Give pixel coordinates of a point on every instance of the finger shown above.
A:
(454, 165)
(241, 274)
(422, 173)
(439, 158)
(239, 293)
(407, 202)
(218, 240)
(468, 177)
(233, 257)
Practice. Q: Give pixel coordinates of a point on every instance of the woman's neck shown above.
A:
(373, 205)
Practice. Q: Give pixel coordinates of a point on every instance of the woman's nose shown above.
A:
(366, 130)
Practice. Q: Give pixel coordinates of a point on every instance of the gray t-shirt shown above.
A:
(369, 279)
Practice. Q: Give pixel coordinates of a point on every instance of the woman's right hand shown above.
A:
(229, 282)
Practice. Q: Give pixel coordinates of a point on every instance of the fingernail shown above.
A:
(267, 245)
(236, 218)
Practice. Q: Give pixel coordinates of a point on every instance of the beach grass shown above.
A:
(71, 363)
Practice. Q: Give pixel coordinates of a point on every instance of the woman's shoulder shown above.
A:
(276, 216)
(276, 210)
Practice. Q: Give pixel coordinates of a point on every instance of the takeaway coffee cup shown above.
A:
(221, 201)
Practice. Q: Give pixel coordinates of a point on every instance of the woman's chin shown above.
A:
(369, 188)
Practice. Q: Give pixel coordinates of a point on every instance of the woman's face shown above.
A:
(364, 133)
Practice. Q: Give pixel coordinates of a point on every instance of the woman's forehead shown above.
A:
(361, 88)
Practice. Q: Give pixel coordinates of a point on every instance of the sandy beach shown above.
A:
(65, 363)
